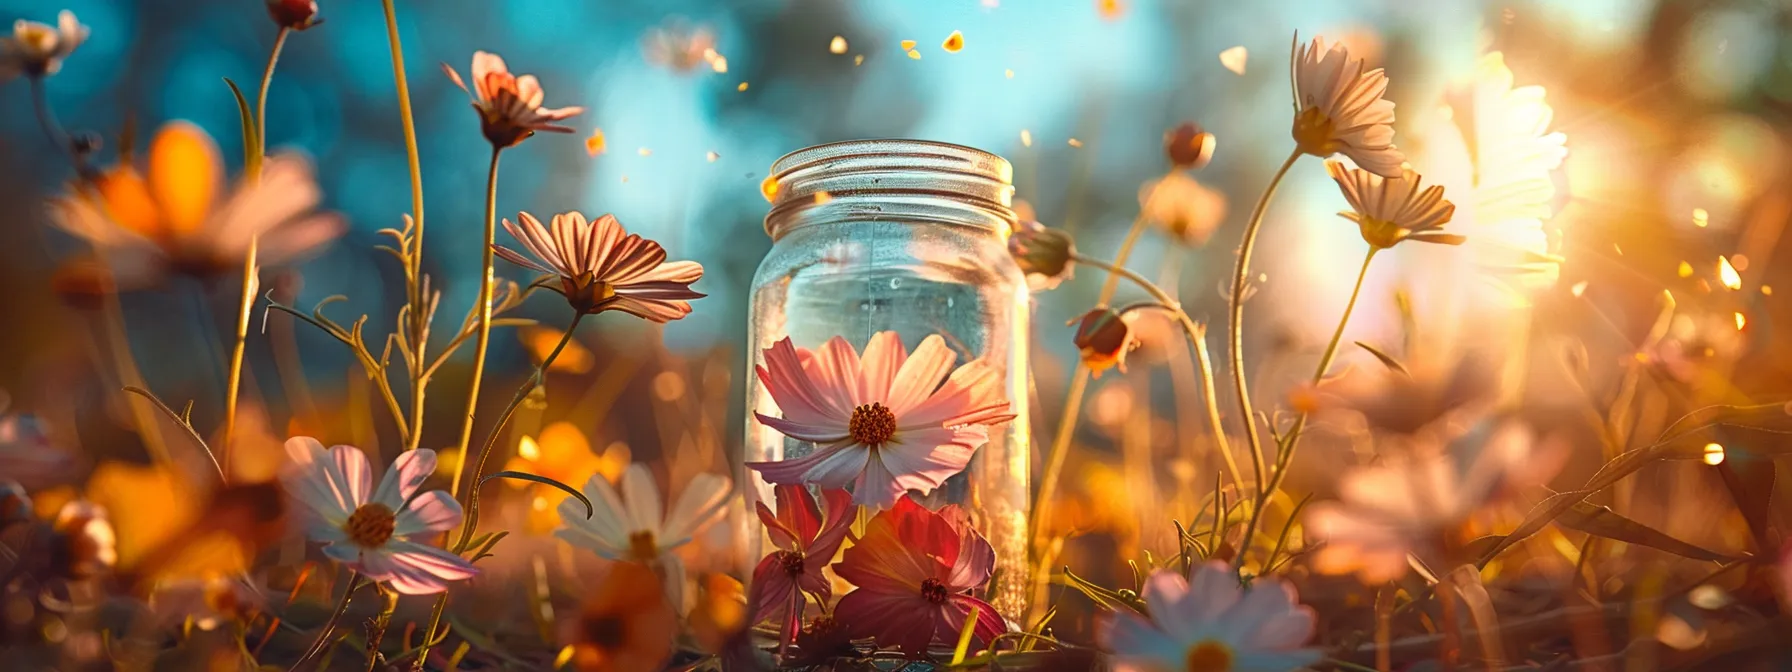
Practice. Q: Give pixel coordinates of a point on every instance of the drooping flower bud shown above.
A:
(1102, 339)
(86, 546)
(1043, 253)
(1187, 146)
(294, 14)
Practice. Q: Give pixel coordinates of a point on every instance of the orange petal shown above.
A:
(184, 173)
(128, 202)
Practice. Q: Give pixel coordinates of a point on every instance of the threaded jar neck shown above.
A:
(891, 180)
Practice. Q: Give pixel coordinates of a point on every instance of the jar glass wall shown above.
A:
(907, 237)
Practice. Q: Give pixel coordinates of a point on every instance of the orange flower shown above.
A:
(171, 217)
(625, 626)
(561, 453)
(602, 267)
(509, 105)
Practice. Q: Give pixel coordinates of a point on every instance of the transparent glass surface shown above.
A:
(910, 238)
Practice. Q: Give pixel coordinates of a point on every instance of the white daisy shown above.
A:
(1339, 108)
(634, 528)
(370, 530)
(1210, 624)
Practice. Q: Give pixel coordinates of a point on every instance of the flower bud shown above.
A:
(1187, 146)
(86, 546)
(294, 14)
(1103, 338)
(1043, 253)
(15, 504)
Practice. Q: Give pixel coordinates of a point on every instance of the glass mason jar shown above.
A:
(906, 236)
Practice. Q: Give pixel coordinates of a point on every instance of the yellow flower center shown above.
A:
(1209, 656)
(585, 292)
(872, 425)
(39, 40)
(1313, 133)
(642, 547)
(1380, 233)
(371, 525)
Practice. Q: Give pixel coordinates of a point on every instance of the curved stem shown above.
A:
(482, 339)
(1197, 334)
(323, 636)
(233, 386)
(411, 156)
(470, 521)
(46, 118)
(1285, 456)
(1235, 327)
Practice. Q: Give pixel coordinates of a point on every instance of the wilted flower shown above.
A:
(84, 544)
(916, 571)
(509, 106)
(1207, 623)
(560, 453)
(294, 14)
(1417, 503)
(602, 267)
(1392, 209)
(37, 49)
(174, 220)
(883, 423)
(1339, 109)
(1188, 146)
(1186, 210)
(1043, 253)
(1102, 339)
(625, 625)
(373, 530)
(633, 528)
(806, 543)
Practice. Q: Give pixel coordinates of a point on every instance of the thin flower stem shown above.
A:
(1285, 456)
(324, 635)
(1235, 328)
(470, 521)
(46, 117)
(233, 386)
(184, 424)
(1196, 334)
(411, 156)
(482, 340)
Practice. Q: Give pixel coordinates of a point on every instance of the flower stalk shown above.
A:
(1235, 327)
(483, 335)
(329, 628)
(251, 280)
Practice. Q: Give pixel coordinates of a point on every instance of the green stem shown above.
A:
(1196, 335)
(419, 318)
(329, 629)
(1285, 456)
(470, 521)
(1235, 328)
(234, 384)
(482, 338)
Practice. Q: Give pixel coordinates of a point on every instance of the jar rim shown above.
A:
(891, 179)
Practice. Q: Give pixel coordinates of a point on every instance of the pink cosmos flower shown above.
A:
(602, 267)
(806, 543)
(372, 530)
(1210, 623)
(884, 422)
(915, 571)
(509, 105)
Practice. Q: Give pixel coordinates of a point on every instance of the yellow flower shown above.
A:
(1389, 210)
(169, 216)
(1339, 109)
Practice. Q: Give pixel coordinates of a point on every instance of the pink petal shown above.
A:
(1133, 638)
(801, 397)
(876, 486)
(1212, 589)
(841, 514)
(884, 356)
(652, 310)
(797, 506)
(641, 499)
(700, 503)
(920, 375)
(415, 569)
(772, 590)
(312, 479)
(989, 623)
(923, 459)
(684, 272)
(906, 621)
(972, 395)
(407, 474)
(805, 432)
(433, 511)
(782, 537)
(1172, 607)
(836, 371)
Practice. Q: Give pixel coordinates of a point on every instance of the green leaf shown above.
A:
(251, 134)
(521, 476)
(1387, 360)
(1603, 522)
